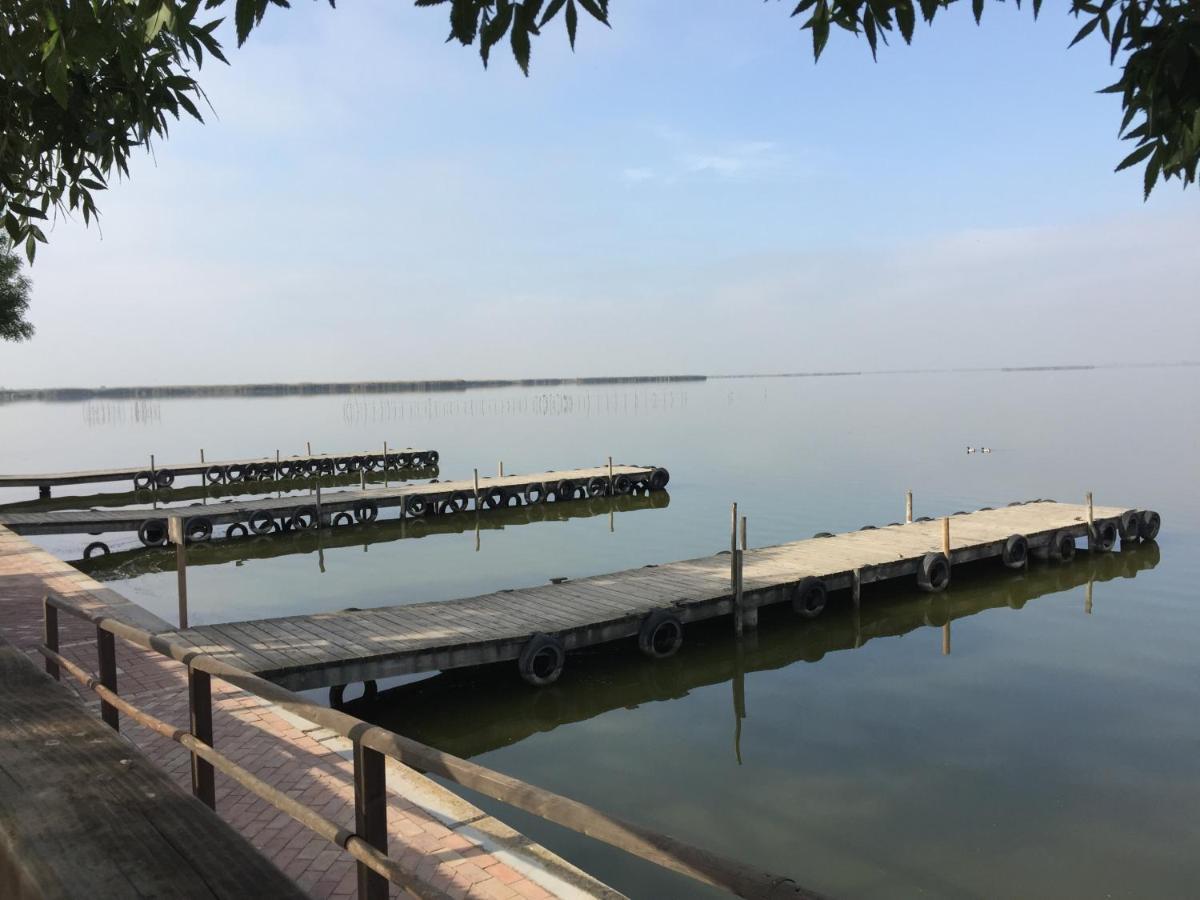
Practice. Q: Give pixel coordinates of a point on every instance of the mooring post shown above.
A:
(733, 574)
(477, 501)
(385, 465)
(200, 712)
(908, 508)
(178, 536)
(201, 460)
(749, 613)
(277, 475)
(946, 538)
(43, 492)
(500, 468)
(1091, 522)
(320, 519)
(370, 816)
(610, 477)
(362, 479)
(308, 448)
(856, 587)
(106, 648)
(153, 483)
(1087, 598)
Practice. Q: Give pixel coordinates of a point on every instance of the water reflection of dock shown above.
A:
(150, 560)
(472, 711)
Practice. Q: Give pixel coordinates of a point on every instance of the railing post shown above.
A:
(200, 708)
(370, 816)
(50, 635)
(106, 647)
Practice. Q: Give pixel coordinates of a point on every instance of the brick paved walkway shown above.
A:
(453, 848)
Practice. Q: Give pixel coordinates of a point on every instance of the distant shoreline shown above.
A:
(312, 388)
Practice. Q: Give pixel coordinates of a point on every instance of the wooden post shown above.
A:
(946, 537)
(856, 587)
(177, 535)
(749, 614)
(500, 469)
(1091, 522)
(202, 460)
(733, 574)
(277, 475)
(308, 448)
(610, 477)
(153, 483)
(106, 648)
(50, 634)
(477, 502)
(362, 479)
(320, 521)
(200, 709)
(908, 508)
(385, 465)
(370, 816)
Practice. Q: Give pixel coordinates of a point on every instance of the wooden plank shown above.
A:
(117, 826)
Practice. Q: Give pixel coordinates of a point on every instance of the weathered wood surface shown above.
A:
(97, 521)
(192, 467)
(84, 814)
(342, 647)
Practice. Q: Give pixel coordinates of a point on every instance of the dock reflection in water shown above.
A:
(144, 561)
(469, 712)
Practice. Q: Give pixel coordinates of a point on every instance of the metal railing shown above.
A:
(368, 842)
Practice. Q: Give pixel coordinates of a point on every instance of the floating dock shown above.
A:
(231, 471)
(295, 513)
(537, 626)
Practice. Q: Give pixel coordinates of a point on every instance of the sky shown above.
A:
(686, 193)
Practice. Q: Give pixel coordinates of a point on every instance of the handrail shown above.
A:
(372, 743)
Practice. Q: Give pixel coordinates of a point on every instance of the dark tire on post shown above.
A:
(455, 503)
(934, 572)
(342, 518)
(1130, 525)
(565, 490)
(418, 460)
(535, 493)
(365, 511)
(809, 597)
(215, 474)
(1016, 551)
(1103, 537)
(1061, 547)
(494, 498)
(94, 548)
(1148, 525)
(659, 479)
(622, 485)
(235, 473)
(164, 478)
(541, 660)
(660, 635)
(142, 480)
(236, 530)
(597, 487)
(262, 521)
(432, 457)
(198, 529)
(416, 505)
(153, 532)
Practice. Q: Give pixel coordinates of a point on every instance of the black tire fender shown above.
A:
(1061, 547)
(365, 511)
(94, 548)
(1130, 525)
(153, 532)
(1148, 524)
(660, 634)
(262, 521)
(934, 572)
(541, 660)
(1104, 536)
(809, 597)
(1016, 551)
(198, 529)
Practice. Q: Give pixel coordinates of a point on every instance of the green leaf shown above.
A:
(1136, 156)
(572, 22)
(519, 38)
(1085, 31)
(551, 11)
(977, 9)
(1152, 169)
(243, 17)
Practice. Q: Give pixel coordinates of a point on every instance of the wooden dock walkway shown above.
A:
(84, 813)
(261, 468)
(265, 516)
(537, 625)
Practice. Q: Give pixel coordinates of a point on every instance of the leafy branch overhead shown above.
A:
(85, 82)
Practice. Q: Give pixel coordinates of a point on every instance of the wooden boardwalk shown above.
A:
(363, 645)
(84, 813)
(261, 468)
(264, 516)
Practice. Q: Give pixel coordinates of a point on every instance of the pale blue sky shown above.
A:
(688, 192)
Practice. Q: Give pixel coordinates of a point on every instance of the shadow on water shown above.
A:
(133, 563)
(468, 712)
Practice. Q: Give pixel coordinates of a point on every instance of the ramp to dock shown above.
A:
(84, 814)
(337, 648)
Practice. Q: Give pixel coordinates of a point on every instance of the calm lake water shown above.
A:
(1054, 752)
